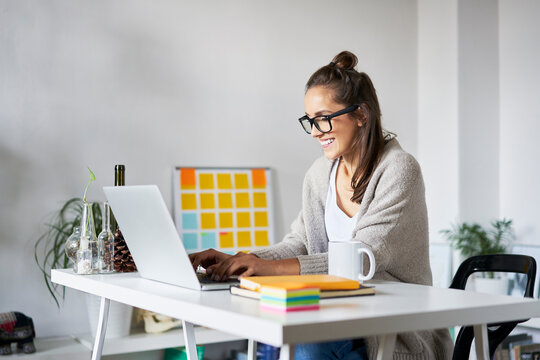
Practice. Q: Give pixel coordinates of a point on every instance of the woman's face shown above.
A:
(338, 142)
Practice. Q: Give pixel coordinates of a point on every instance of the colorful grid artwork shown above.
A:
(229, 209)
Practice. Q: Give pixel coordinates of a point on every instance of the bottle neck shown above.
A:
(87, 222)
(106, 217)
(119, 175)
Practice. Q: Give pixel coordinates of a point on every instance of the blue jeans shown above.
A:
(334, 350)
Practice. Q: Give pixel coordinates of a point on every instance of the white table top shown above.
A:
(397, 307)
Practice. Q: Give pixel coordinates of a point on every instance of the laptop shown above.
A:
(153, 240)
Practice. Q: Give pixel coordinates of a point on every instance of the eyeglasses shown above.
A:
(322, 122)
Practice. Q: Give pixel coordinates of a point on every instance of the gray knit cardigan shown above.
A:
(392, 222)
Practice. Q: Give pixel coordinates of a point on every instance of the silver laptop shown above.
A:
(152, 238)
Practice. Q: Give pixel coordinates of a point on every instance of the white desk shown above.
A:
(397, 307)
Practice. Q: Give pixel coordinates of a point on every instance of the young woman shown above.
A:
(366, 189)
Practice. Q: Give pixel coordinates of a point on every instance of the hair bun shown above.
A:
(345, 60)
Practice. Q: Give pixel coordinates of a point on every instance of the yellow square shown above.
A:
(208, 221)
(189, 202)
(259, 200)
(244, 238)
(241, 181)
(225, 200)
(243, 220)
(225, 220)
(242, 200)
(226, 240)
(207, 201)
(261, 238)
(206, 181)
(261, 219)
(224, 181)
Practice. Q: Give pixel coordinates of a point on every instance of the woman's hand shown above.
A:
(207, 258)
(243, 264)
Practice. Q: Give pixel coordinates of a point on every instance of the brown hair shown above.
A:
(351, 87)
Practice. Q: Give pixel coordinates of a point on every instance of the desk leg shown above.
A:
(287, 352)
(386, 346)
(482, 342)
(252, 350)
(189, 340)
(101, 328)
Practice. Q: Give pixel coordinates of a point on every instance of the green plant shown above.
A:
(473, 239)
(49, 250)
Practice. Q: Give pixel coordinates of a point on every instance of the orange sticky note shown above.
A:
(187, 178)
(258, 177)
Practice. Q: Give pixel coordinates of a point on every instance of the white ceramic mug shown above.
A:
(345, 259)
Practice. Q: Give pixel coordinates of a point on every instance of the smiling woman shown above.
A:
(365, 189)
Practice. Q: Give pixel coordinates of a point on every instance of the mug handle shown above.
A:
(369, 253)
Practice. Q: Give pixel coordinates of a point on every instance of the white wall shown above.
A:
(478, 76)
(438, 110)
(520, 116)
(164, 83)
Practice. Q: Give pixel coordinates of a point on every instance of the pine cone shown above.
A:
(123, 261)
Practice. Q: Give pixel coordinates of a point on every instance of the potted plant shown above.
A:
(472, 239)
(49, 249)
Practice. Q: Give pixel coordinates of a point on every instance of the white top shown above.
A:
(339, 226)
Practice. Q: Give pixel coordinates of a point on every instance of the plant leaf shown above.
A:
(92, 176)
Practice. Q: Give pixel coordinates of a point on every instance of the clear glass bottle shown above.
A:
(87, 255)
(105, 263)
(72, 244)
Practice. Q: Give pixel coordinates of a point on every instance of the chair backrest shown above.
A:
(521, 264)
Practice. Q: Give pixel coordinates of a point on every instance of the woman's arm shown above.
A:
(243, 264)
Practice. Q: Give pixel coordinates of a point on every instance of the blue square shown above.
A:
(190, 241)
(208, 240)
(189, 221)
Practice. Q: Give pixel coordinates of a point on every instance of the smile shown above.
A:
(327, 142)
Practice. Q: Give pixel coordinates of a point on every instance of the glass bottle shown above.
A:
(119, 180)
(86, 262)
(72, 244)
(105, 262)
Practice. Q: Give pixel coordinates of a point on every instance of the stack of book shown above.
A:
(518, 347)
(330, 286)
(287, 297)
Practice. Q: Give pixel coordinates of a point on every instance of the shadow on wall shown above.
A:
(14, 184)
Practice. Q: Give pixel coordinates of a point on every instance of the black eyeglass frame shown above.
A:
(312, 121)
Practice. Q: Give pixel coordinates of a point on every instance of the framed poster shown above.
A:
(230, 209)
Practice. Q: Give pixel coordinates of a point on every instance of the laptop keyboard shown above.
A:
(206, 279)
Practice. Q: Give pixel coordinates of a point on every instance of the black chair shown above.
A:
(521, 264)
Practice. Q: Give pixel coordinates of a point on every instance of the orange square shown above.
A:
(187, 178)
(258, 177)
